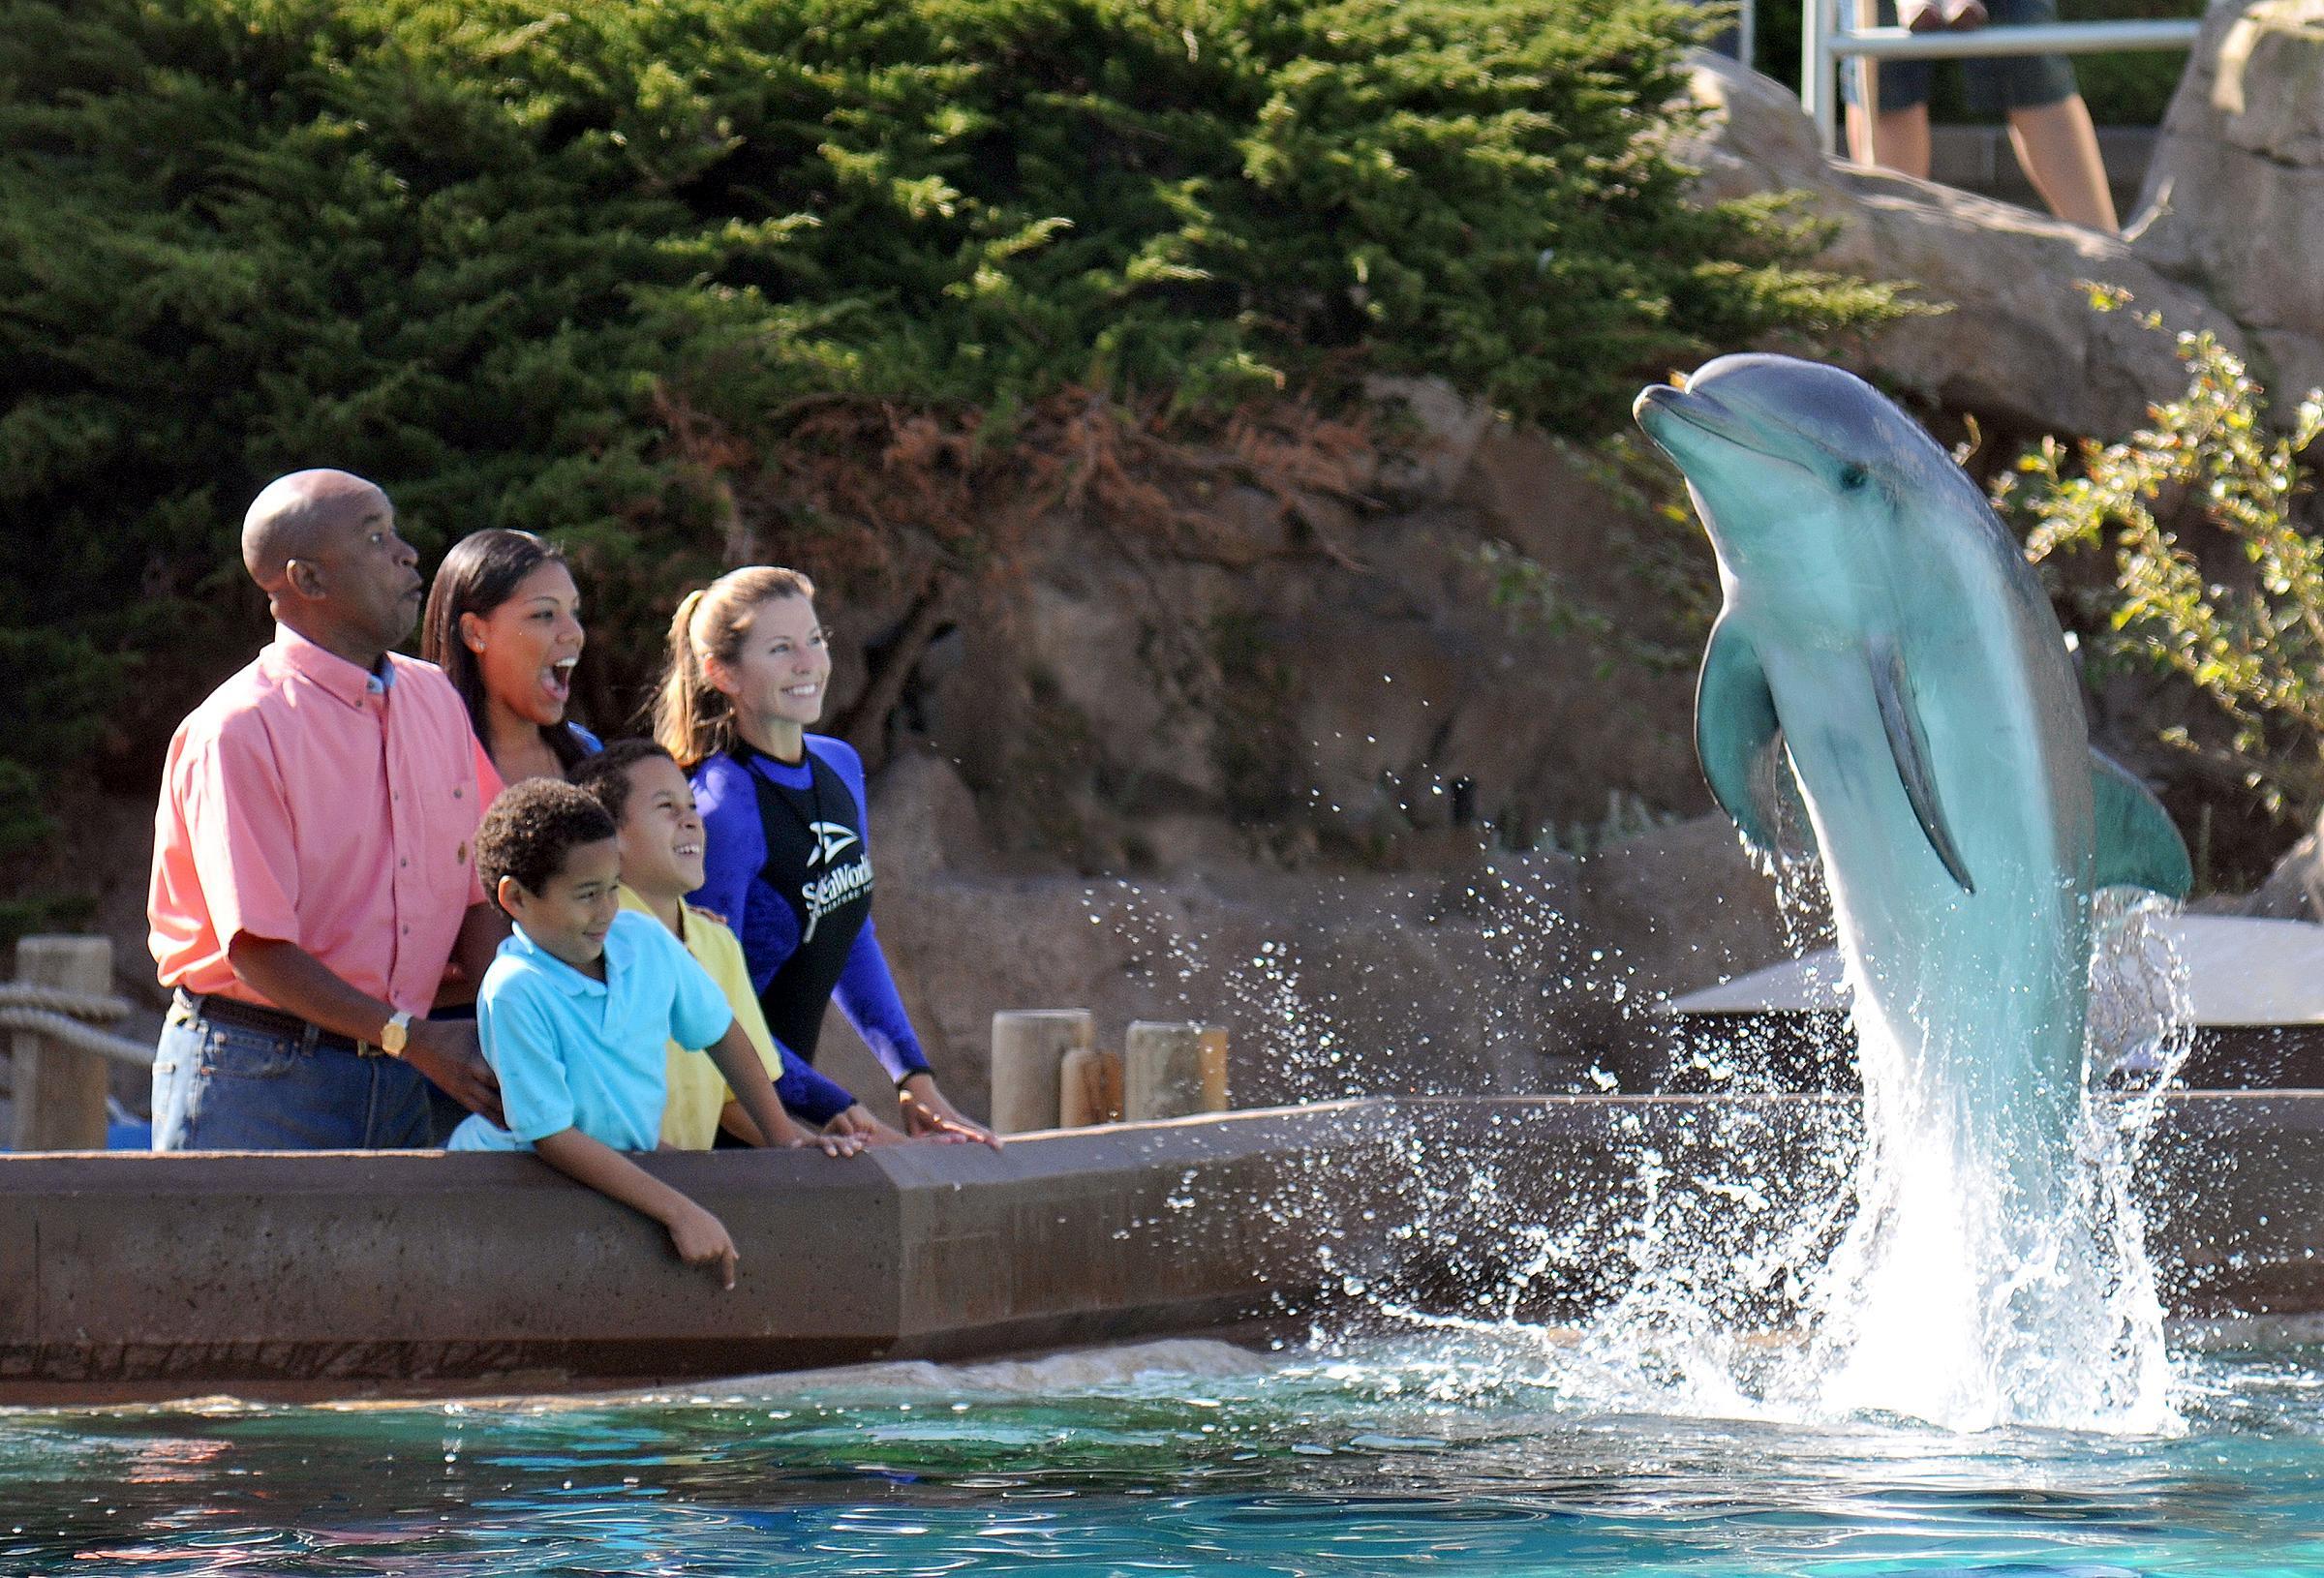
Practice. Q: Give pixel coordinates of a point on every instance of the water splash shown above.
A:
(1773, 1262)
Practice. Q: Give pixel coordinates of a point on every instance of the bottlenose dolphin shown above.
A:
(1885, 628)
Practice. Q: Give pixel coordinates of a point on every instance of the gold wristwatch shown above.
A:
(396, 1031)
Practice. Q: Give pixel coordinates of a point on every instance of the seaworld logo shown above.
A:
(832, 840)
(835, 888)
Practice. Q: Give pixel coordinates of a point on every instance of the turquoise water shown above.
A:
(1413, 1453)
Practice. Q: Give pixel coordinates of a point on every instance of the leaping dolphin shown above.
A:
(1882, 624)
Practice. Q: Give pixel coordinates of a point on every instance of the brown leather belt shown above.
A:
(272, 1021)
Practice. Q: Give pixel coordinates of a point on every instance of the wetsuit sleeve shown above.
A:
(866, 994)
(734, 841)
(866, 987)
(812, 1097)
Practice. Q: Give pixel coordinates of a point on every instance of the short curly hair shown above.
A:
(530, 831)
(605, 776)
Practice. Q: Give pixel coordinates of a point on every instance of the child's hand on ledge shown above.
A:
(701, 1239)
(828, 1141)
(858, 1121)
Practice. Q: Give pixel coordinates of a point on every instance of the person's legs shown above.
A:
(2049, 124)
(1901, 143)
(2058, 148)
(1896, 134)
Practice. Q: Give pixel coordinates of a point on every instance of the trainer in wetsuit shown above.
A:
(788, 860)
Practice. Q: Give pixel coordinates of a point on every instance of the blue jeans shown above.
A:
(230, 1087)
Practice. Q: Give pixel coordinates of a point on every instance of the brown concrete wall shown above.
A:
(130, 1274)
(199, 1272)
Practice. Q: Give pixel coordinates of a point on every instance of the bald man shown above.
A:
(314, 868)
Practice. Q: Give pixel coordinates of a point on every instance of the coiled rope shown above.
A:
(59, 1014)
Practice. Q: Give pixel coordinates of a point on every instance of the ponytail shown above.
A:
(693, 719)
(685, 692)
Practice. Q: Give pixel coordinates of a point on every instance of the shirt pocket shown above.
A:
(444, 835)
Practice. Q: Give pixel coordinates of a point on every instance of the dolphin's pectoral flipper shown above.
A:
(1735, 725)
(1909, 747)
(2138, 845)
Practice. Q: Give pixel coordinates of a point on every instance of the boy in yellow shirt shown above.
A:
(659, 836)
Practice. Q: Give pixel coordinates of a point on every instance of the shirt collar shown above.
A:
(632, 901)
(573, 982)
(351, 682)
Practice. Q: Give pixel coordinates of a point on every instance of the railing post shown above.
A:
(1028, 1052)
(1815, 85)
(1172, 1070)
(1089, 1088)
(60, 1090)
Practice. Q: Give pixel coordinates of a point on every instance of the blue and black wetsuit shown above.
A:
(788, 863)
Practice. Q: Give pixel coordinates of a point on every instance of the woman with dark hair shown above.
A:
(503, 621)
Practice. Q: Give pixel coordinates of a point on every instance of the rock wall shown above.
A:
(2011, 339)
(2234, 200)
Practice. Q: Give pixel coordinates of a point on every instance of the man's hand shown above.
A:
(928, 1115)
(701, 1239)
(446, 1052)
(296, 982)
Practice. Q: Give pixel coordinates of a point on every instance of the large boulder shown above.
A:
(2295, 889)
(2016, 341)
(2234, 199)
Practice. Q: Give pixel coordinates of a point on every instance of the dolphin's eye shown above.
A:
(1852, 478)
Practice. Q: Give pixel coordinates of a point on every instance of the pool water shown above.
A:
(1389, 1453)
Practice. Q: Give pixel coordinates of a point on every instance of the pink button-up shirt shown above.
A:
(310, 801)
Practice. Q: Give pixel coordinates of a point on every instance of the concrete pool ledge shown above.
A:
(130, 1274)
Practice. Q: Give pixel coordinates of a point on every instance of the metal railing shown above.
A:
(1824, 42)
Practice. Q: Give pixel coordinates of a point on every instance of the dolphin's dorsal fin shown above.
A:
(1908, 745)
(1734, 722)
(2138, 845)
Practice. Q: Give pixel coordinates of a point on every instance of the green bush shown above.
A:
(600, 271)
(2217, 579)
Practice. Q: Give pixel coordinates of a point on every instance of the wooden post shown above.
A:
(1028, 1051)
(60, 1090)
(1174, 1071)
(1088, 1089)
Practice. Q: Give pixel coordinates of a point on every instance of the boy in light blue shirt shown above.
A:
(577, 1006)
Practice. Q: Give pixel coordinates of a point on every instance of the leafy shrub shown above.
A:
(2217, 579)
(649, 274)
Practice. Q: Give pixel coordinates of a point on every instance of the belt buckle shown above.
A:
(365, 1048)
